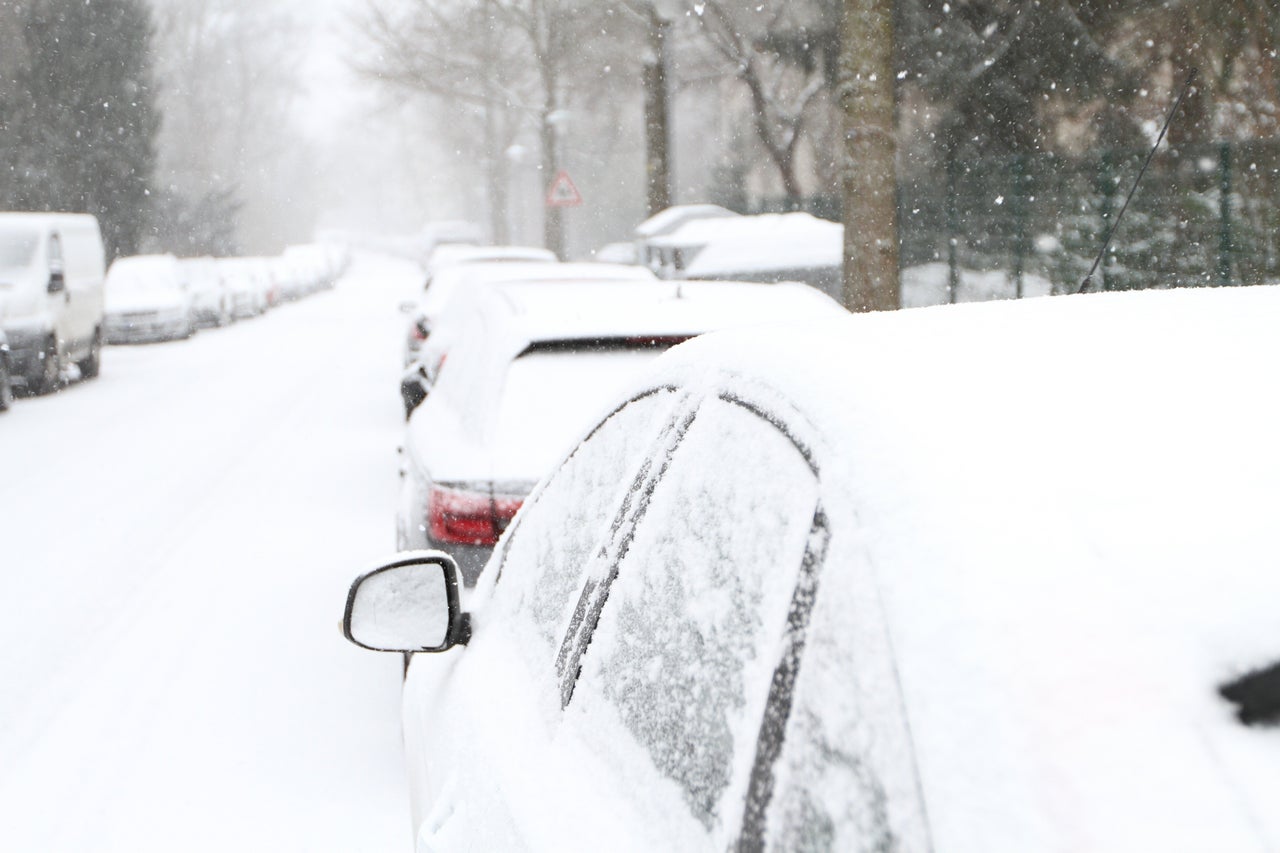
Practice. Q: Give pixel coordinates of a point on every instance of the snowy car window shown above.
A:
(542, 561)
(550, 399)
(685, 646)
(17, 246)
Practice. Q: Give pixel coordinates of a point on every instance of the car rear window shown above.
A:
(552, 395)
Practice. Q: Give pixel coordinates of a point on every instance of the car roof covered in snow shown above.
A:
(509, 319)
(1065, 510)
(668, 220)
(453, 254)
(564, 310)
(765, 226)
(450, 280)
(154, 266)
(796, 244)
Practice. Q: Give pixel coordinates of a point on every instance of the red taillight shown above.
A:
(465, 517)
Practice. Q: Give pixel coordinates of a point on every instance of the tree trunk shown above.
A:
(495, 155)
(868, 167)
(656, 120)
(553, 218)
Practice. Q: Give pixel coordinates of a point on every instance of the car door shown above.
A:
(479, 721)
(685, 639)
(62, 304)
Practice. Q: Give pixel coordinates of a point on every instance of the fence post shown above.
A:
(1224, 214)
(953, 228)
(1020, 207)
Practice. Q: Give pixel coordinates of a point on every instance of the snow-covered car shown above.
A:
(211, 298)
(992, 577)
(311, 268)
(246, 280)
(445, 256)
(147, 299)
(446, 283)
(52, 267)
(530, 370)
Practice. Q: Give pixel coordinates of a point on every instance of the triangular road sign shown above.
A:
(562, 192)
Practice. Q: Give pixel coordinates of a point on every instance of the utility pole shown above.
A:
(868, 158)
(657, 116)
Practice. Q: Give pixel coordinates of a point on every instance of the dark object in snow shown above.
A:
(1256, 696)
(1088, 279)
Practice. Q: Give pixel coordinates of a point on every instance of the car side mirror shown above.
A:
(408, 307)
(407, 605)
(57, 280)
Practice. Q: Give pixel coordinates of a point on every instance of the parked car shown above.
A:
(993, 577)
(148, 299)
(51, 295)
(445, 256)
(6, 377)
(446, 283)
(211, 298)
(247, 282)
(312, 267)
(530, 368)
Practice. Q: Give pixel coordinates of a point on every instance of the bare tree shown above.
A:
(781, 92)
(658, 29)
(230, 73)
(456, 54)
(505, 66)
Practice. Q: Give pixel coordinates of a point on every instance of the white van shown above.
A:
(52, 267)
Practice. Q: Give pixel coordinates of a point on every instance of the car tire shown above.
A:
(6, 387)
(91, 365)
(48, 373)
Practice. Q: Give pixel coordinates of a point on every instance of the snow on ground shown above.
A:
(176, 539)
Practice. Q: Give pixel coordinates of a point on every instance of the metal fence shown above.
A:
(1205, 215)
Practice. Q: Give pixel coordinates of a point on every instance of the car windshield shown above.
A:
(139, 279)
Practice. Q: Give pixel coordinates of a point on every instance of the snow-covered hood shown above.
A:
(160, 301)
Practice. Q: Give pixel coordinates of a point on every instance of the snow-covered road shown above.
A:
(176, 539)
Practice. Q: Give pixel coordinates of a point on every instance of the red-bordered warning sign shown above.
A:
(562, 192)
